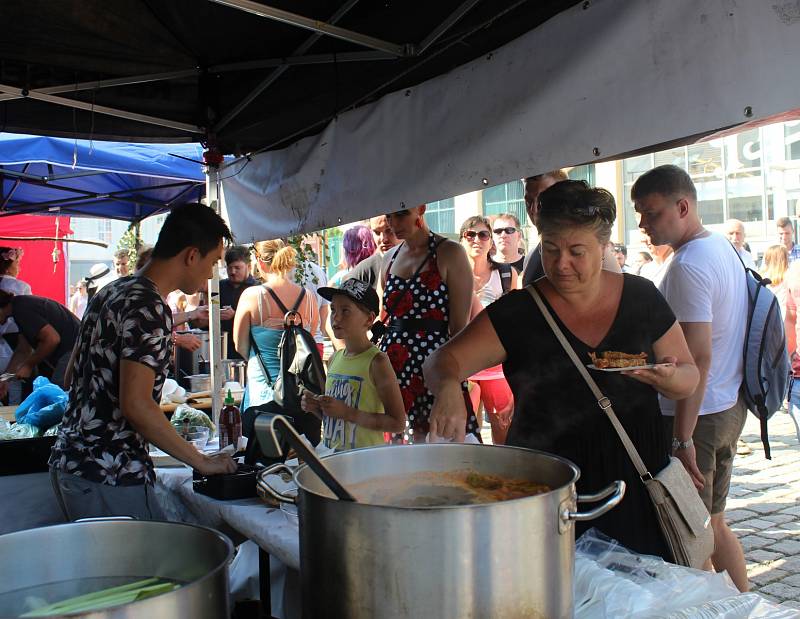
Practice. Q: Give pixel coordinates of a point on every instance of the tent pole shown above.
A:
(213, 191)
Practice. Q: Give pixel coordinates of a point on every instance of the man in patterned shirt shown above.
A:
(100, 464)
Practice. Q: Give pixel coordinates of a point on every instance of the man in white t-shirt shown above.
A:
(705, 286)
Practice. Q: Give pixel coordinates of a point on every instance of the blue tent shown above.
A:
(83, 178)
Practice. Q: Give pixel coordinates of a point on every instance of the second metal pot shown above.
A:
(62, 561)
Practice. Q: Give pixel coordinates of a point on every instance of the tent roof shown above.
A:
(96, 179)
(240, 73)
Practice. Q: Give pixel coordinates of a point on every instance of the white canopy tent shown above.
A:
(598, 81)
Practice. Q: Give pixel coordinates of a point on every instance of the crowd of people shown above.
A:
(429, 336)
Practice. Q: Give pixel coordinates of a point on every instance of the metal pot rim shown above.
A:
(350, 453)
(117, 522)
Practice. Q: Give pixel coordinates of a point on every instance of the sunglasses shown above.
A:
(509, 230)
(483, 235)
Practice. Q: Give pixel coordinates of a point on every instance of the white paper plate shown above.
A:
(648, 366)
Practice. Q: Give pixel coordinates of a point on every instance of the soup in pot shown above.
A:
(440, 489)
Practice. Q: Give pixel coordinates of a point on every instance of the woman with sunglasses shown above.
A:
(489, 386)
(427, 292)
(555, 411)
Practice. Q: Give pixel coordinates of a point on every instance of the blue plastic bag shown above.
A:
(44, 407)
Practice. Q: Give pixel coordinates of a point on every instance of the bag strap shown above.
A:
(261, 360)
(602, 401)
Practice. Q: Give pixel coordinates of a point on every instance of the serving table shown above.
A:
(275, 535)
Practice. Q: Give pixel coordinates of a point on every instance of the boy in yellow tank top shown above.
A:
(362, 397)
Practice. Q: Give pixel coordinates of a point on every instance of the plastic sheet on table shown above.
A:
(611, 581)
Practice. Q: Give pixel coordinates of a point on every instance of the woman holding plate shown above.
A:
(555, 411)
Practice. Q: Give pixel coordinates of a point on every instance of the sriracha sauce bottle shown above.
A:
(230, 423)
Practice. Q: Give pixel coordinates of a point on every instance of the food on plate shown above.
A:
(615, 359)
(437, 489)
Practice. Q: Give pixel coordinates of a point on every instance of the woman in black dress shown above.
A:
(554, 408)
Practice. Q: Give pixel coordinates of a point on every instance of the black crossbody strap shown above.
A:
(602, 401)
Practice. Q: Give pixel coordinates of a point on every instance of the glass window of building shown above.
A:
(791, 132)
(632, 168)
(440, 216)
(705, 167)
(506, 198)
(744, 185)
(583, 173)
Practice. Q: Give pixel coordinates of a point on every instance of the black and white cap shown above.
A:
(360, 292)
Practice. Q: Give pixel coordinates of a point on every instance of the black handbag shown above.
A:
(301, 368)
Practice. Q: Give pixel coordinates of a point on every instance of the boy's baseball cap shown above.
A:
(360, 292)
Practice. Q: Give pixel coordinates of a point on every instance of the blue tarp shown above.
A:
(83, 178)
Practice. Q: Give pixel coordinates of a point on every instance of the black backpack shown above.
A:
(301, 368)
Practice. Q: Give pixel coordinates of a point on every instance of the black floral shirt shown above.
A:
(126, 319)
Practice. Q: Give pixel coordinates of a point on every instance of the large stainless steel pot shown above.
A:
(511, 559)
(66, 560)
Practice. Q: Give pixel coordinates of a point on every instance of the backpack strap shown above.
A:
(299, 299)
(505, 275)
(277, 300)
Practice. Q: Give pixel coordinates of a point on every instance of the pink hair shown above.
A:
(358, 244)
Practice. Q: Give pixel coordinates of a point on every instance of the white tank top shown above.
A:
(491, 290)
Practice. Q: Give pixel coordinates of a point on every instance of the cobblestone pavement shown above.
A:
(764, 508)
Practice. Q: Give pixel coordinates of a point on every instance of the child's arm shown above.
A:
(385, 381)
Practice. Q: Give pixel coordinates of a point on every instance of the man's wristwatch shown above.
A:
(676, 444)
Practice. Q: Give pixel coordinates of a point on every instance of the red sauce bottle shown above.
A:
(230, 423)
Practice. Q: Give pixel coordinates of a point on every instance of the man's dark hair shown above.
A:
(621, 249)
(237, 253)
(190, 225)
(665, 180)
(783, 222)
(556, 175)
(144, 255)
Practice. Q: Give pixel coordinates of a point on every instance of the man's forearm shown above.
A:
(686, 411)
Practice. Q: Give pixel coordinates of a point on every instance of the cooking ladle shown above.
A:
(308, 455)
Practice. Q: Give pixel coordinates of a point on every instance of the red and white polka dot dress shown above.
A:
(408, 342)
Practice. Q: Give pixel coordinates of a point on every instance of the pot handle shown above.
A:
(616, 491)
(262, 483)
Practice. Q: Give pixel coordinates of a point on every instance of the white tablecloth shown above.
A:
(27, 502)
(268, 527)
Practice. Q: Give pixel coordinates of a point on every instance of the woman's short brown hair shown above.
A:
(571, 204)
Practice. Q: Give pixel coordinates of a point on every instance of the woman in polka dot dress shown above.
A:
(427, 293)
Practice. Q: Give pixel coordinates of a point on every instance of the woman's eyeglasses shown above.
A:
(483, 235)
(509, 230)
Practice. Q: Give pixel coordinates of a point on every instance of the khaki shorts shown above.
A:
(715, 437)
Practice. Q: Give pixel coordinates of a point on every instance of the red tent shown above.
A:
(37, 263)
